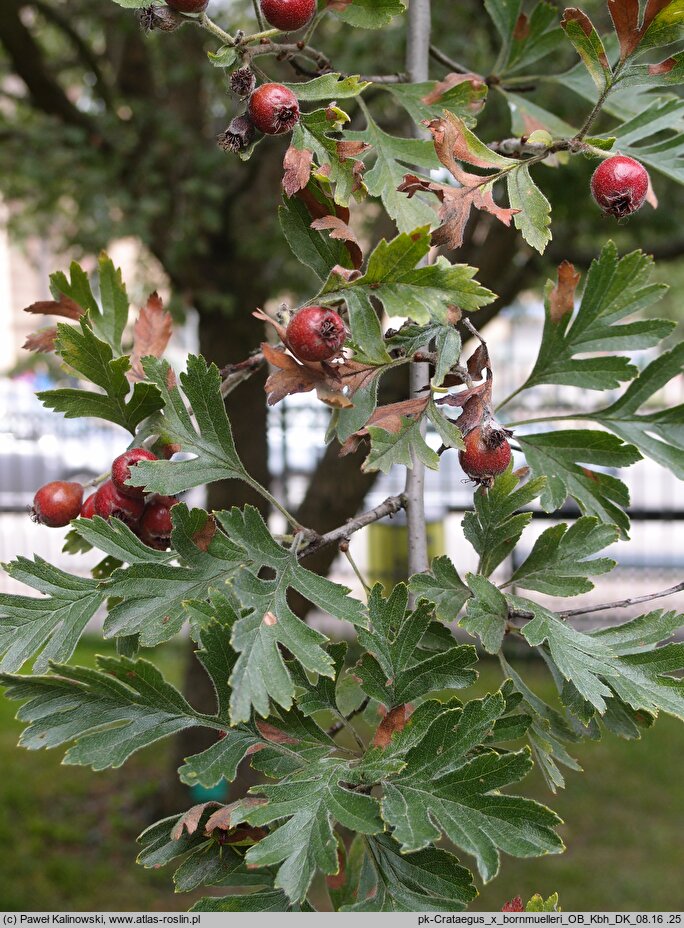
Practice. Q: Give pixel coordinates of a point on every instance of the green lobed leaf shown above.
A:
(329, 87)
(562, 558)
(314, 249)
(536, 36)
(588, 45)
(445, 790)
(395, 670)
(615, 288)
(559, 457)
(312, 132)
(211, 440)
(423, 293)
(53, 622)
(94, 360)
(399, 448)
(534, 216)
(495, 527)
(369, 14)
(443, 587)
(486, 613)
(463, 99)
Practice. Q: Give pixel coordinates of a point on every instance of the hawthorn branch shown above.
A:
(235, 374)
(623, 603)
(345, 719)
(389, 507)
(439, 55)
(287, 51)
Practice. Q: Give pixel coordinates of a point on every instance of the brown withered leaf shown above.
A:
(452, 80)
(340, 230)
(202, 538)
(457, 203)
(451, 145)
(481, 391)
(271, 733)
(388, 418)
(351, 149)
(223, 817)
(42, 340)
(628, 26)
(292, 376)
(297, 169)
(572, 14)
(64, 306)
(151, 334)
(562, 297)
(479, 361)
(190, 820)
(394, 721)
(280, 329)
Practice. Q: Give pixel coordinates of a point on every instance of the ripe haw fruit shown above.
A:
(486, 453)
(155, 524)
(88, 507)
(121, 470)
(57, 503)
(110, 503)
(288, 15)
(273, 109)
(315, 333)
(188, 6)
(619, 185)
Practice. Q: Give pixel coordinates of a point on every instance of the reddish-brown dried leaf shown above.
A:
(202, 538)
(42, 340)
(388, 418)
(450, 143)
(394, 721)
(297, 169)
(630, 31)
(280, 329)
(292, 376)
(190, 820)
(479, 361)
(351, 149)
(515, 905)
(457, 203)
(340, 230)
(452, 80)
(562, 297)
(223, 817)
(151, 334)
(64, 306)
(271, 733)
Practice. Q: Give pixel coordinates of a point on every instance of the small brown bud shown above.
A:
(238, 136)
(242, 81)
(159, 18)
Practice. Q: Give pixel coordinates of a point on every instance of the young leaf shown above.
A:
(445, 790)
(395, 670)
(615, 288)
(442, 586)
(94, 360)
(260, 670)
(111, 320)
(329, 87)
(532, 211)
(494, 528)
(557, 455)
(53, 622)
(394, 276)
(211, 440)
(562, 558)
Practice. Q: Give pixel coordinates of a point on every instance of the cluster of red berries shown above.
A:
(60, 501)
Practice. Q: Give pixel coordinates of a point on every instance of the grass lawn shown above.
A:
(68, 834)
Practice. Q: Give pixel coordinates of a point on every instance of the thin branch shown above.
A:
(235, 374)
(209, 24)
(257, 13)
(623, 603)
(286, 51)
(439, 55)
(388, 508)
(345, 719)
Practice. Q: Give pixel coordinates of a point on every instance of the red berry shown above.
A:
(188, 6)
(121, 470)
(288, 15)
(155, 524)
(486, 454)
(273, 109)
(57, 503)
(88, 507)
(315, 333)
(619, 185)
(111, 504)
